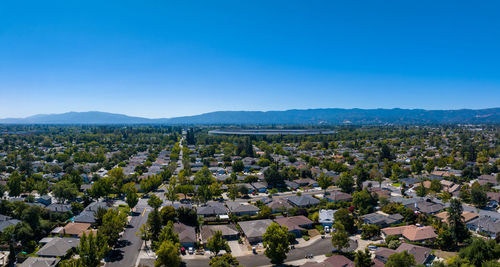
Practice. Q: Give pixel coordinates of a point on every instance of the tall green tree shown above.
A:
(363, 258)
(226, 260)
(232, 192)
(276, 243)
(92, 249)
(343, 217)
(456, 221)
(185, 189)
(168, 255)
(340, 237)
(14, 184)
(216, 243)
(273, 176)
(478, 196)
(324, 181)
(215, 190)
(167, 234)
(132, 198)
(364, 202)
(402, 259)
(171, 193)
(480, 251)
(238, 166)
(155, 202)
(65, 190)
(346, 183)
(113, 223)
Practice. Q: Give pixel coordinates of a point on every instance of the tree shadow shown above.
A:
(115, 255)
(123, 243)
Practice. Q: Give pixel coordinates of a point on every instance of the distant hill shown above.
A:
(331, 116)
(90, 117)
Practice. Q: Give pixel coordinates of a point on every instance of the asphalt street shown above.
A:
(125, 253)
(127, 250)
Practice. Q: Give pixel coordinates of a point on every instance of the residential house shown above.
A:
(485, 224)
(382, 254)
(292, 185)
(468, 216)
(381, 192)
(39, 262)
(58, 207)
(337, 196)
(278, 205)
(426, 206)
(411, 232)
(213, 209)
(58, 247)
(187, 234)
(88, 214)
(303, 201)
(339, 261)
(487, 179)
(229, 231)
(45, 200)
(75, 229)
(240, 208)
(381, 219)
(326, 217)
(254, 230)
(85, 217)
(410, 181)
(295, 224)
(493, 199)
(449, 186)
(306, 182)
(260, 187)
(422, 255)
(6, 221)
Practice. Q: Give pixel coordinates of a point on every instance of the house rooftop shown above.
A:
(411, 232)
(255, 228)
(58, 247)
(294, 222)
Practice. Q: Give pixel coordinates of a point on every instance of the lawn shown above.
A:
(444, 254)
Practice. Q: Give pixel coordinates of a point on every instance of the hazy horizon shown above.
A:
(170, 59)
(272, 110)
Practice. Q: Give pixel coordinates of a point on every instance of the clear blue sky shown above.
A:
(170, 58)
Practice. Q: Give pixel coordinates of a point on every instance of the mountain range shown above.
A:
(329, 116)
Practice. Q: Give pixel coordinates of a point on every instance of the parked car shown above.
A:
(190, 250)
(327, 229)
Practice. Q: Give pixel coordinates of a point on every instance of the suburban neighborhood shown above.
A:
(192, 196)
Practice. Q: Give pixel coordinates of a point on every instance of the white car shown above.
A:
(327, 229)
(190, 250)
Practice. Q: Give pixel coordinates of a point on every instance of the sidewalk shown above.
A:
(145, 253)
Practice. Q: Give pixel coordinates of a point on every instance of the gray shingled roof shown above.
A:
(58, 247)
(303, 201)
(211, 209)
(39, 262)
(238, 207)
(255, 228)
